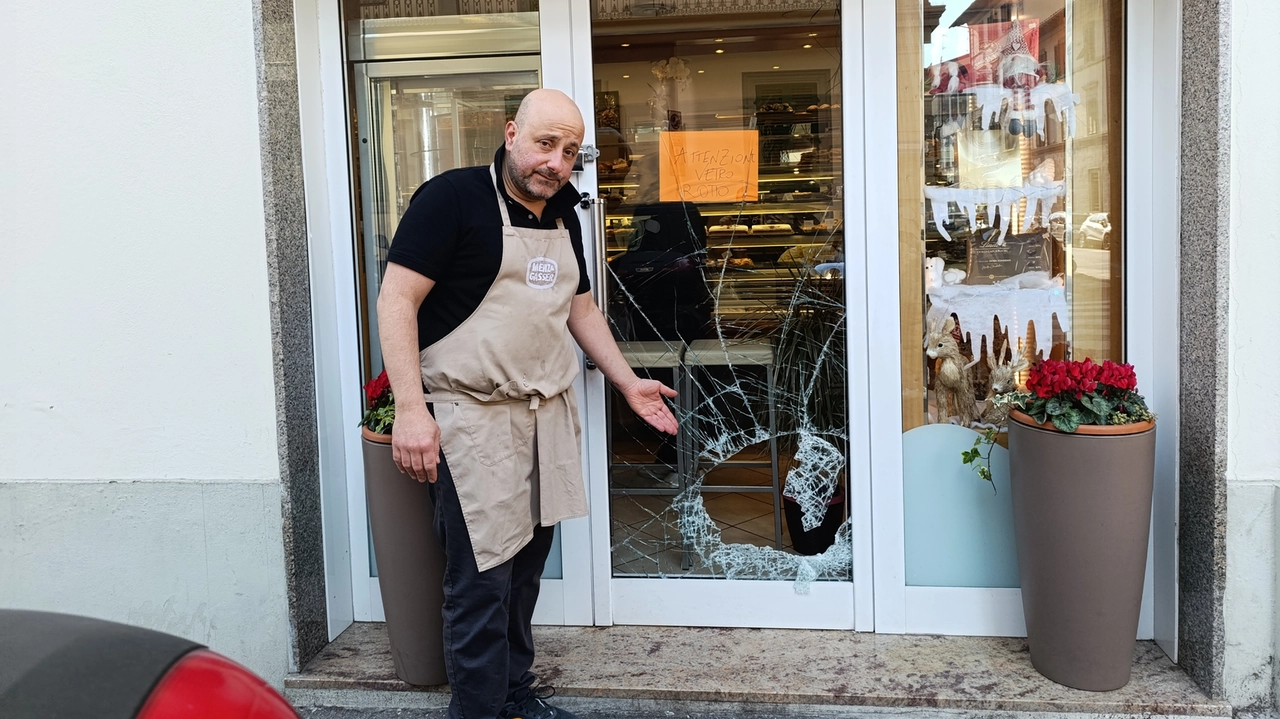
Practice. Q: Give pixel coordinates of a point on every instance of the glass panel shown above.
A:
(416, 128)
(721, 172)
(418, 118)
(1010, 187)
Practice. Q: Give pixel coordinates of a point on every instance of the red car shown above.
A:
(69, 667)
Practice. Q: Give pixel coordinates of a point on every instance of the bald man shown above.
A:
(485, 294)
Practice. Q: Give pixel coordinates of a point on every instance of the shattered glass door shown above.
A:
(721, 177)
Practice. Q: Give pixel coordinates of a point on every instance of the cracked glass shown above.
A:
(721, 177)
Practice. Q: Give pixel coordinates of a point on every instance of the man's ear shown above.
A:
(512, 129)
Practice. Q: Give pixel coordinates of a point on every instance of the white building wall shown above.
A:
(139, 478)
(1253, 465)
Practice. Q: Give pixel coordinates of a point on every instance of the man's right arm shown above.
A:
(415, 437)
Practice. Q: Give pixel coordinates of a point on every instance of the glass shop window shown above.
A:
(1011, 187)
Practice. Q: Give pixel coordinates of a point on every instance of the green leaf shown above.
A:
(1067, 421)
(1098, 405)
(1055, 407)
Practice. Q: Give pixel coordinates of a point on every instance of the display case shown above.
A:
(752, 256)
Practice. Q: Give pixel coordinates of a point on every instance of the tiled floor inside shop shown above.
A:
(645, 534)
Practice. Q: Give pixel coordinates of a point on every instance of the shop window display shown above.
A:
(1010, 244)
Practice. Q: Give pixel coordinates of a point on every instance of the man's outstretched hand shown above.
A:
(645, 396)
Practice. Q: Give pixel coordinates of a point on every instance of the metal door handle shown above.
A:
(597, 209)
(602, 245)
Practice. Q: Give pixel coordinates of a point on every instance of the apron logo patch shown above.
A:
(542, 273)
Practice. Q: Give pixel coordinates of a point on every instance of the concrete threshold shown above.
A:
(642, 672)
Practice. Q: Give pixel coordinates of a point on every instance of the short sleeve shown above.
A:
(575, 236)
(427, 237)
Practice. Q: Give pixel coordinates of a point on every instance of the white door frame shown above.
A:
(1150, 318)
(586, 594)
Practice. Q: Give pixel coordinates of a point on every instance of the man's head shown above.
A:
(542, 143)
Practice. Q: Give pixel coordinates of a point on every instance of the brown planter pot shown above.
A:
(410, 564)
(1082, 514)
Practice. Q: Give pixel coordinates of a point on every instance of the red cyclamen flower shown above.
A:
(376, 387)
(1118, 376)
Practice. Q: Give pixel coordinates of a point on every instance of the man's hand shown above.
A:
(645, 397)
(415, 444)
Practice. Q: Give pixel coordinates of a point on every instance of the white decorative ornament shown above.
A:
(990, 99)
(1032, 297)
(1040, 191)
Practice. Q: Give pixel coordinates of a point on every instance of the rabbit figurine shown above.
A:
(1004, 379)
(953, 380)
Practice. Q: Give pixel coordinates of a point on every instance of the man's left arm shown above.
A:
(645, 396)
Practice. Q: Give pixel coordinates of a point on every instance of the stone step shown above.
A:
(666, 672)
(621, 709)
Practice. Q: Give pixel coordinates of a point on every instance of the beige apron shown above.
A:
(501, 386)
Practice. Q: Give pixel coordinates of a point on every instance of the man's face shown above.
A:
(541, 153)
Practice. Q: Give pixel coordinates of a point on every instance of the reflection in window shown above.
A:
(1010, 182)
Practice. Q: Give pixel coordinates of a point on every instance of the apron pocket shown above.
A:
(498, 431)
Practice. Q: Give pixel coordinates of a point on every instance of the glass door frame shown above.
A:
(568, 65)
(563, 601)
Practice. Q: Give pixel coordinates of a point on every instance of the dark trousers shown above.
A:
(488, 640)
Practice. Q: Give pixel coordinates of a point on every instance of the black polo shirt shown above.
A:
(452, 233)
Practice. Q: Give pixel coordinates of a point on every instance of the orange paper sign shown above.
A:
(709, 166)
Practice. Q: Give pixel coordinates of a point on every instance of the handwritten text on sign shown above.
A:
(709, 166)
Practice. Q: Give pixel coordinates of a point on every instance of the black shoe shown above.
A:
(533, 705)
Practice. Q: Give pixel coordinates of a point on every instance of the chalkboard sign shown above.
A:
(990, 262)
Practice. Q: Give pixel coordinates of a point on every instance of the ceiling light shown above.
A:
(701, 71)
(720, 51)
(626, 76)
(775, 67)
(719, 39)
(626, 44)
(813, 34)
(807, 47)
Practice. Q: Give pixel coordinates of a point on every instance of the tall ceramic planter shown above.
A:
(1082, 513)
(410, 564)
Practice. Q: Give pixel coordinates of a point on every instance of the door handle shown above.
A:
(602, 245)
(596, 210)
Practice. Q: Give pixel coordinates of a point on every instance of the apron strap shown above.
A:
(502, 206)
